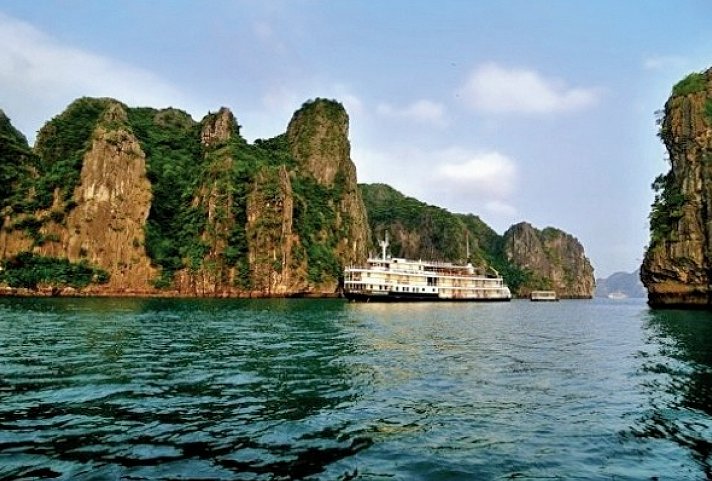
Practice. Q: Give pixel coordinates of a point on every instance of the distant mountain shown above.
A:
(627, 283)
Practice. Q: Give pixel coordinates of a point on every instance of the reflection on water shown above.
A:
(677, 374)
(324, 390)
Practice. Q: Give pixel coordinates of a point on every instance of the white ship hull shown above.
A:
(402, 280)
(405, 297)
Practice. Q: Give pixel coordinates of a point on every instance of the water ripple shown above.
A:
(283, 390)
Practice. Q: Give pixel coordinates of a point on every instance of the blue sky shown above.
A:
(513, 110)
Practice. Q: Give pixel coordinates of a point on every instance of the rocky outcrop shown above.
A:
(551, 259)
(677, 265)
(112, 202)
(318, 141)
(162, 205)
(108, 209)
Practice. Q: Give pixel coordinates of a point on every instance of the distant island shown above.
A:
(621, 284)
(118, 200)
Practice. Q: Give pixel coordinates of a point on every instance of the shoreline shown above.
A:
(44, 292)
(68, 292)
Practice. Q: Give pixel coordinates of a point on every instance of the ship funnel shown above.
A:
(384, 246)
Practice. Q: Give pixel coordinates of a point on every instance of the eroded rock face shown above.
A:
(270, 234)
(318, 141)
(554, 259)
(219, 127)
(676, 268)
(112, 200)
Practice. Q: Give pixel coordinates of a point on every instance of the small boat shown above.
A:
(543, 296)
(394, 279)
(618, 295)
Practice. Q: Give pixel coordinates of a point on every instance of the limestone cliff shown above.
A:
(330, 217)
(551, 259)
(151, 202)
(271, 237)
(112, 203)
(676, 267)
(211, 270)
(98, 218)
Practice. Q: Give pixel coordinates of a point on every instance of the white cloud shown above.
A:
(458, 179)
(501, 209)
(423, 111)
(482, 183)
(489, 176)
(495, 89)
(661, 62)
(39, 76)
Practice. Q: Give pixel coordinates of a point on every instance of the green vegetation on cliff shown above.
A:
(30, 271)
(318, 143)
(666, 209)
(421, 230)
(314, 219)
(16, 162)
(61, 145)
(29, 178)
(201, 176)
(693, 83)
(200, 187)
(170, 141)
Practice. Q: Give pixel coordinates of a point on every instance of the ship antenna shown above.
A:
(384, 246)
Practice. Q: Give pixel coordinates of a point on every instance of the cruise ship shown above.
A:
(393, 279)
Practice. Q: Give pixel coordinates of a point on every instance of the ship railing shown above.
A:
(444, 273)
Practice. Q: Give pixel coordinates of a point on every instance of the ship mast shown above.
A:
(384, 246)
(467, 246)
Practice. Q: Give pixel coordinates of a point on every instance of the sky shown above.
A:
(515, 110)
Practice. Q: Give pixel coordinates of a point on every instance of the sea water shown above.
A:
(322, 389)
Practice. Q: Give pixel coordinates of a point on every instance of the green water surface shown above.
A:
(322, 389)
